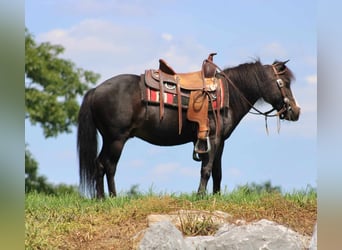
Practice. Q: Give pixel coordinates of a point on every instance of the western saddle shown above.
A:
(199, 84)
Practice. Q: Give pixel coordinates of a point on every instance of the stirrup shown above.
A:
(200, 151)
(196, 156)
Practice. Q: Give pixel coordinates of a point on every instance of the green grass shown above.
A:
(72, 222)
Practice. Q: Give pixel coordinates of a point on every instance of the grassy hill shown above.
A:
(71, 222)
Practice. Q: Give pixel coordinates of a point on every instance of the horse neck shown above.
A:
(243, 95)
(243, 91)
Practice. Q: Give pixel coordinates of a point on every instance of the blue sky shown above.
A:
(114, 37)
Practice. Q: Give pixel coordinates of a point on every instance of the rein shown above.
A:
(266, 114)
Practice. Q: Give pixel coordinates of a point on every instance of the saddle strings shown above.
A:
(278, 124)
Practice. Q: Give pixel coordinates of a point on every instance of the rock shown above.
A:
(313, 242)
(154, 218)
(197, 242)
(224, 229)
(263, 235)
(162, 235)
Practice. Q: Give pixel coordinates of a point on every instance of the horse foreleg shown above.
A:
(217, 176)
(217, 170)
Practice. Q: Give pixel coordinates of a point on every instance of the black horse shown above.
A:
(115, 109)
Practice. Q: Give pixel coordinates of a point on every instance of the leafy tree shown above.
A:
(265, 187)
(134, 191)
(52, 86)
(61, 189)
(33, 182)
(39, 183)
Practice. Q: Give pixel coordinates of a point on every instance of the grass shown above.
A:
(193, 224)
(72, 222)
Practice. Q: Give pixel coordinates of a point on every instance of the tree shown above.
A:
(33, 182)
(52, 85)
(39, 183)
(265, 187)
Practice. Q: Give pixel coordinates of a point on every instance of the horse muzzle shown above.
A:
(289, 112)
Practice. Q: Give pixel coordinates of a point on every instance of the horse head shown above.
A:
(277, 91)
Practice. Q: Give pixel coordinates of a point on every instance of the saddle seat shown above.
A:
(199, 80)
(199, 84)
(188, 81)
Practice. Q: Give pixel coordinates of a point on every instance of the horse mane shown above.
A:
(254, 71)
(247, 72)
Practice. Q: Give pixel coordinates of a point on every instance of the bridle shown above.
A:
(286, 101)
(280, 83)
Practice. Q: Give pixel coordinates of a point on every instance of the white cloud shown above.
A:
(137, 163)
(94, 35)
(189, 171)
(105, 47)
(274, 50)
(109, 48)
(167, 37)
(103, 8)
(166, 170)
(234, 172)
(312, 79)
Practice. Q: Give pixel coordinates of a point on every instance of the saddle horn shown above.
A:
(209, 69)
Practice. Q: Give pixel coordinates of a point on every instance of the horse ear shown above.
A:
(280, 66)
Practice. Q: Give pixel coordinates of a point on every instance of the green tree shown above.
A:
(265, 187)
(52, 86)
(33, 182)
(39, 183)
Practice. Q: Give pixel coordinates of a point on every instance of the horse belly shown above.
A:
(165, 132)
(163, 140)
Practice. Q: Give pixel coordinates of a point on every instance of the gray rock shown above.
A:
(198, 242)
(313, 242)
(261, 235)
(162, 235)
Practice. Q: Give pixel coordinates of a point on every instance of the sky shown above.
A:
(114, 37)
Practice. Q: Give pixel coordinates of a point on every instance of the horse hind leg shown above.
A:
(205, 174)
(211, 166)
(108, 160)
(99, 174)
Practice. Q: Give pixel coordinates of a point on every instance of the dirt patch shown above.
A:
(123, 235)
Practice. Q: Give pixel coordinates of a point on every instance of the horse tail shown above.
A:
(87, 146)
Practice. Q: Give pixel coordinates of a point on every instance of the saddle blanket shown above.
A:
(152, 96)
